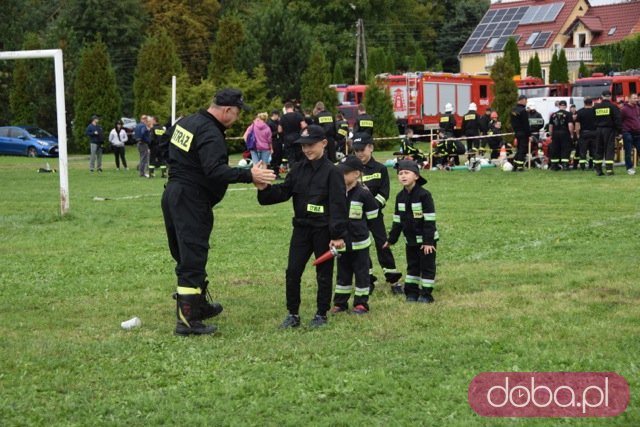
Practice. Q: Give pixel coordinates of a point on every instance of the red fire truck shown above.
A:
(534, 87)
(420, 98)
(621, 85)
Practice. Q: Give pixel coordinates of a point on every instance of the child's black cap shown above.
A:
(350, 163)
(311, 134)
(410, 165)
(361, 140)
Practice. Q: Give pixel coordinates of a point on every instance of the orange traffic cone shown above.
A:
(503, 154)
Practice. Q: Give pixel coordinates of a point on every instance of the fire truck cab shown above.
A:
(534, 87)
(621, 86)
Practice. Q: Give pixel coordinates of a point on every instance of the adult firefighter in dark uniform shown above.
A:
(157, 160)
(536, 122)
(447, 123)
(585, 127)
(364, 122)
(608, 124)
(342, 132)
(324, 119)
(561, 129)
(520, 125)
(376, 177)
(198, 178)
(471, 127)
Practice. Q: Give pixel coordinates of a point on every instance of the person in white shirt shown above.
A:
(117, 138)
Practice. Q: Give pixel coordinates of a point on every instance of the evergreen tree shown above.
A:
(379, 105)
(419, 63)
(505, 91)
(338, 74)
(229, 37)
(537, 67)
(192, 25)
(316, 80)
(563, 67)
(512, 54)
(96, 93)
(377, 60)
(530, 67)
(32, 95)
(157, 63)
(553, 68)
(583, 71)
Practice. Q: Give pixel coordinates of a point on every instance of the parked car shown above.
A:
(129, 126)
(28, 141)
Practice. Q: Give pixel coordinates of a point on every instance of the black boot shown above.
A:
(210, 308)
(425, 296)
(598, 169)
(189, 312)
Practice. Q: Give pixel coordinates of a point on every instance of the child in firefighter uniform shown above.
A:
(376, 178)
(415, 217)
(319, 222)
(354, 259)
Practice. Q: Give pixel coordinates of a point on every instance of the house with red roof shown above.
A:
(544, 26)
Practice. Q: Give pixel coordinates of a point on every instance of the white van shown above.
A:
(547, 105)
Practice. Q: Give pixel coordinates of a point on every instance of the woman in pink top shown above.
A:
(262, 132)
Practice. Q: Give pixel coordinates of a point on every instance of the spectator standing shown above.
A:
(291, 123)
(142, 137)
(276, 143)
(630, 114)
(96, 139)
(117, 138)
(262, 133)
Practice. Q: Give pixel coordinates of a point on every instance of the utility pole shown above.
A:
(357, 50)
(360, 41)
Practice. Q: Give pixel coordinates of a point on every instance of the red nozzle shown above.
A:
(330, 254)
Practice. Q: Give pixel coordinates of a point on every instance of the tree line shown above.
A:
(120, 56)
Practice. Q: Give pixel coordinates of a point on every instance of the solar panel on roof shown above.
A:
(494, 24)
(541, 40)
(540, 14)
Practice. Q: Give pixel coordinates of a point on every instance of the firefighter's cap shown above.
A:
(230, 98)
(361, 140)
(350, 163)
(410, 165)
(311, 134)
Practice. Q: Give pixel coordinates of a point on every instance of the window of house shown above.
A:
(612, 31)
(492, 42)
(532, 38)
(582, 40)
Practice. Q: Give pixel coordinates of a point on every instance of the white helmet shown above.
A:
(473, 106)
(243, 163)
(448, 108)
(531, 105)
(507, 167)
(340, 155)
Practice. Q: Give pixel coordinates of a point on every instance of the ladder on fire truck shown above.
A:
(411, 80)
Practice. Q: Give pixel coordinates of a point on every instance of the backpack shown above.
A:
(251, 140)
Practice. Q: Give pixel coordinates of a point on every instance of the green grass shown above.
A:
(536, 272)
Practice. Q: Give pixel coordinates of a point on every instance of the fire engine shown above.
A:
(534, 87)
(621, 85)
(419, 98)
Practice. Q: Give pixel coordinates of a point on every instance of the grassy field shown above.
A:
(536, 272)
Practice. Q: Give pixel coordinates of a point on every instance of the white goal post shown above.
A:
(56, 54)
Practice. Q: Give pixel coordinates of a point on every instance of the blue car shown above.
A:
(28, 141)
